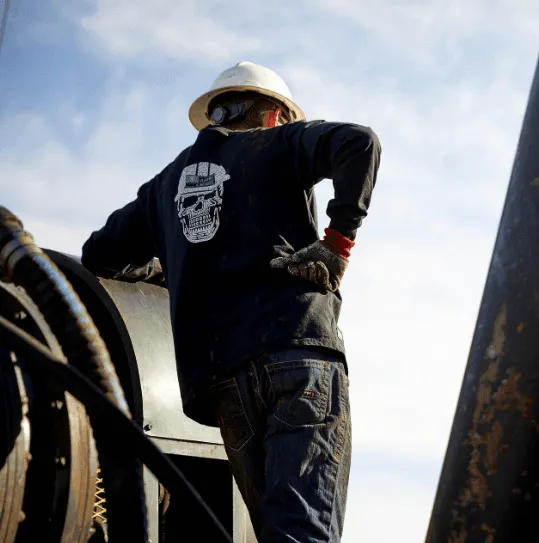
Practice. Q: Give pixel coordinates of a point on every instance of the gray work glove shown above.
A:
(316, 263)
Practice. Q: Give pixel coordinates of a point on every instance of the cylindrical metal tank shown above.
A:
(134, 321)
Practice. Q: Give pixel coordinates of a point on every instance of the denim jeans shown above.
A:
(285, 422)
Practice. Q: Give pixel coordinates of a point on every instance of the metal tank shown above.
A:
(133, 320)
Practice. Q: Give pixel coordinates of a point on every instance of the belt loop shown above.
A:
(255, 364)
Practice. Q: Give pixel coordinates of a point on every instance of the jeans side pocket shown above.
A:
(235, 428)
(300, 390)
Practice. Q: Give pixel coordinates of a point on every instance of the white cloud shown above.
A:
(48, 178)
(55, 235)
(436, 35)
(176, 30)
(428, 35)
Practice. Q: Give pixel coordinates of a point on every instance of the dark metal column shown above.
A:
(489, 485)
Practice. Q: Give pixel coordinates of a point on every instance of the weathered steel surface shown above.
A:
(145, 310)
(489, 485)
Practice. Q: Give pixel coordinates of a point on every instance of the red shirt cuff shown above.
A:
(338, 243)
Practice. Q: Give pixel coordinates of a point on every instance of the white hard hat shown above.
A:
(244, 76)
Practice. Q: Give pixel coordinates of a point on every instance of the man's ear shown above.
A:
(271, 118)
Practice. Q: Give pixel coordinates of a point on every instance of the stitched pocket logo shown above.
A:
(199, 199)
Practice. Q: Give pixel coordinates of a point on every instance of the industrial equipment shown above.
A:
(74, 438)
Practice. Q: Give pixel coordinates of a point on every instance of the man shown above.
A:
(254, 293)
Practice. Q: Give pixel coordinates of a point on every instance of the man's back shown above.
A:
(220, 213)
(217, 216)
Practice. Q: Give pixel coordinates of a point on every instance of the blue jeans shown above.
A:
(285, 423)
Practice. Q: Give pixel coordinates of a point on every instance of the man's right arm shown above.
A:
(349, 155)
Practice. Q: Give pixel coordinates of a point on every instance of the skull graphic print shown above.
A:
(199, 199)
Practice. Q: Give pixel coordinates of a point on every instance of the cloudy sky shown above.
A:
(93, 102)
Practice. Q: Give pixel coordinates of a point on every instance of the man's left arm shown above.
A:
(124, 248)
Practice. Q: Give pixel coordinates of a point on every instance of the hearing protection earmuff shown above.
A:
(221, 114)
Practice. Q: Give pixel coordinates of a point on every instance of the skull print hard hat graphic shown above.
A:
(199, 200)
(245, 76)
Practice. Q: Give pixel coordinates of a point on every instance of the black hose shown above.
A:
(26, 265)
(127, 436)
(23, 263)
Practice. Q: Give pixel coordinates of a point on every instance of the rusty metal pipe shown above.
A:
(489, 485)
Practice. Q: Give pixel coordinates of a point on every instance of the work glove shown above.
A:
(322, 263)
(149, 273)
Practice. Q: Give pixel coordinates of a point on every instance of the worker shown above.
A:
(231, 224)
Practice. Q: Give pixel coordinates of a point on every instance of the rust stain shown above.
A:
(493, 447)
(535, 181)
(462, 534)
(508, 397)
(493, 393)
(498, 332)
(490, 531)
(458, 538)
(466, 496)
(477, 491)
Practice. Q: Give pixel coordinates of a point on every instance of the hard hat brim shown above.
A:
(198, 112)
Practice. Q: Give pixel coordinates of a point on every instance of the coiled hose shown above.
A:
(23, 263)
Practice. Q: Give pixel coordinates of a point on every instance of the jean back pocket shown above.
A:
(300, 389)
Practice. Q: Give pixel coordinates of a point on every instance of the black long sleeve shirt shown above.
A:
(215, 217)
